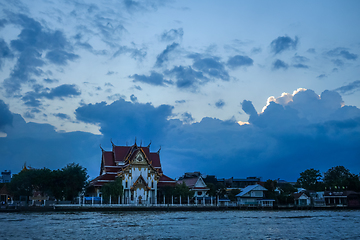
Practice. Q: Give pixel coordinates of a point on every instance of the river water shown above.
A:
(344, 224)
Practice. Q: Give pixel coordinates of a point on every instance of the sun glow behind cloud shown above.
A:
(284, 99)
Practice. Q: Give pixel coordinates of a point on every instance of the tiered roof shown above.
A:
(115, 161)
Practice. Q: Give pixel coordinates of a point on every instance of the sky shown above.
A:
(227, 88)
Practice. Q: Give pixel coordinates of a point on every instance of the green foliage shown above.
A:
(65, 183)
(340, 178)
(287, 188)
(270, 185)
(74, 178)
(112, 189)
(232, 194)
(217, 189)
(309, 179)
(183, 191)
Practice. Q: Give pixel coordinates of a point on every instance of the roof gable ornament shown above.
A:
(101, 148)
(159, 150)
(113, 145)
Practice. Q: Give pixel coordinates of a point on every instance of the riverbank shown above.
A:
(173, 208)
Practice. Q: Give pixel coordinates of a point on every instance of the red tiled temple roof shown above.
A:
(113, 162)
(109, 158)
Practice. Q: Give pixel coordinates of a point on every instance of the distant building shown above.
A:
(239, 183)
(139, 169)
(302, 199)
(196, 184)
(5, 196)
(253, 195)
(5, 176)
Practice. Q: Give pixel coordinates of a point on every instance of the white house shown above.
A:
(253, 195)
(302, 199)
(198, 186)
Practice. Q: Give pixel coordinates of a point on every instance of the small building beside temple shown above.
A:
(196, 184)
(139, 169)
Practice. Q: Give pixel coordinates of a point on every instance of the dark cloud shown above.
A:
(212, 67)
(5, 52)
(187, 77)
(32, 42)
(39, 145)
(321, 76)
(164, 56)
(133, 98)
(238, 61)
(6, 117)
(31, 98)
(283, 43)
(135, 53)
(249, 109)
(60, 57)
(180, 101)
(131, 119)
(48, 80)
(110, 73)
(342, 52)
(311, 50)
(338, 62)
(350, 88)
(187, 118)
(132, 5)
(300, 59)
(311, 131)
(278, 64)
(155, 78)
(138, 87)
(62, 116)
(300, 65)
(220, 104)
(172, 35)
(2, 23)
(65, 90)
(256, 50)
(29, 114)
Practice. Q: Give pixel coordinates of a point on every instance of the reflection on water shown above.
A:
(182, 225)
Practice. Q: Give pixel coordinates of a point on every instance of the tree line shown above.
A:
(336, 178)
(61, 184)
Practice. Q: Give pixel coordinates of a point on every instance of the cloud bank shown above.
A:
(293, 132)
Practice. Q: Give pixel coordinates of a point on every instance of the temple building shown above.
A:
(140, 172)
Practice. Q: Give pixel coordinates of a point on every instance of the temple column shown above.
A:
(180, 200)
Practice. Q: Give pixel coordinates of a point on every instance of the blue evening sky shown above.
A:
(229, 88)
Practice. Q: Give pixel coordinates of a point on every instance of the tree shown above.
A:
(22, 183)
(270, 185)
(309, 179)
(232, 194)
(183, 191)
(74, 178)
(29, 180)
(112, 189)
(340, 177)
